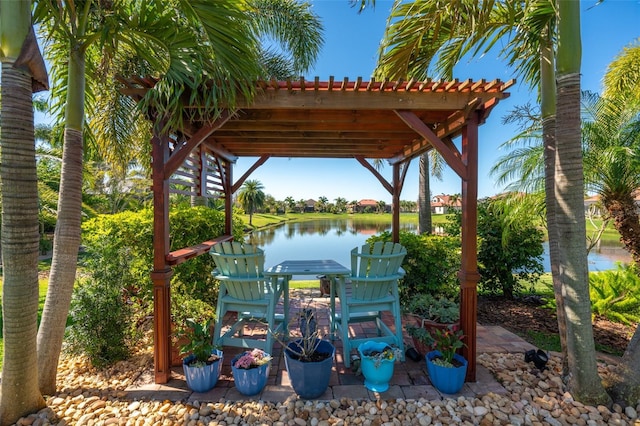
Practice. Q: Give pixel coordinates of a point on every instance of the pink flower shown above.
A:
(253, 359)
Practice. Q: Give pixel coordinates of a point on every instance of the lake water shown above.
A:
(334, 239)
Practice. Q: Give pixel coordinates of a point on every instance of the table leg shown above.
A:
(285, 296)
(332, 305)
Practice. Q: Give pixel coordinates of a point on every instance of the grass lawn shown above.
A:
(261, 220)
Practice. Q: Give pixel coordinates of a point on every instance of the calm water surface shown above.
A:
(334, 239)
(317, 239)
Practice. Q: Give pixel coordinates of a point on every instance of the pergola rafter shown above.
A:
(363, 120)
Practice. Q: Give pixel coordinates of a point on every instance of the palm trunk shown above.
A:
(67, 235)
(19, 393)
(625, 384)
(548, 111)
(424, 199)
(584, 382)
(625, 219)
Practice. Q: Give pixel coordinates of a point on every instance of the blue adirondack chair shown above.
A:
(244, 289)
(371, 290)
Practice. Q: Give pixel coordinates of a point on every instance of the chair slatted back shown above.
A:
(375, 270)
(240, 266)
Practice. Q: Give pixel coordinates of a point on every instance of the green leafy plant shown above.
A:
(200, 337)
(447, 341)
(133, 232)
(431, 264)
(101, 316)
(615, 295)
(185, 308)
(438, 309)
(509, 247)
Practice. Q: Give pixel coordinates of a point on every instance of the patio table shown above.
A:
(287, 269)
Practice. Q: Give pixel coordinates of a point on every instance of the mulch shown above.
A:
(524, 316)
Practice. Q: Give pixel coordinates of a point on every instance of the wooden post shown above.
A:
(161, 274)
(228, 197)
(468, 274)
(395, 204)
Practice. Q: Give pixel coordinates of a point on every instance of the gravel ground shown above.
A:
(90, 397)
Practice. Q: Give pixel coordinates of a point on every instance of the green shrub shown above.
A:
(509, 247)
(615, 294)
(184, 308)
(100, 313)
(431, 264)
(133, 231)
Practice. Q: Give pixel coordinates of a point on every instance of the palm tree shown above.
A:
(19, 393)
(290, 203)
(341, 204)
(321, 205)
(424, 188)
(569, 190)
(302, 204)
(188, 42)
(623, 73)
(419, 31)
(251, 197)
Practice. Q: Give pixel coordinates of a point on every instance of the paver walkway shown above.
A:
(410, 379)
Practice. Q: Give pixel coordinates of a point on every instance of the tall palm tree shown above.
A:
(23, 72)
(426, 34)
(187, 42)
(251, 197)
(425, 224)
(422, 30)
(585, 383)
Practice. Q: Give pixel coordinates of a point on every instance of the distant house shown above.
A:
(310, 206)
(592, 205)
(443, 204)
(369, 205)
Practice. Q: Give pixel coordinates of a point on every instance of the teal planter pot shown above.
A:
(309, 379)
(202, 379)
(377, 372)
(250, 381)
(446, 379)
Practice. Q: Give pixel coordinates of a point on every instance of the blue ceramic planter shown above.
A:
(309, 379)
(252, 381)
(446, 379)
(376, 377)
(202, 379)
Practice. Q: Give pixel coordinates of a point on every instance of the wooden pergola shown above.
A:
(391, 120)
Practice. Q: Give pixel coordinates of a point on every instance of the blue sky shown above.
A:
(350, 50)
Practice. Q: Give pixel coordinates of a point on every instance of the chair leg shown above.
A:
(399, 335)
(344, 328)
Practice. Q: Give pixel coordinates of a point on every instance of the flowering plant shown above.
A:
(252, 359)
(447, 341)
(389, 353)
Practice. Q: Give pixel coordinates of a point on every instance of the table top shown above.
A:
(308, 267)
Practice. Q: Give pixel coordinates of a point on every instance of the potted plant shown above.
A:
(185, 310)
(430, 313)
(446, 368)
(376, 362)
(309, 358)
(203, 361)
(250, 371)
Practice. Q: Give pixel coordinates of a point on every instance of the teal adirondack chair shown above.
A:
(371, 290)
(245, 290)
